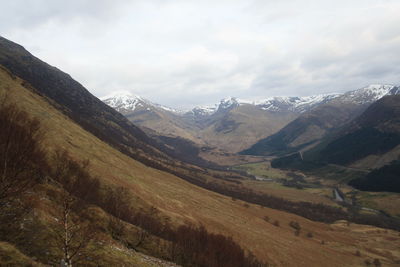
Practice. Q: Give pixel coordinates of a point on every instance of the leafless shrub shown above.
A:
(22, 160)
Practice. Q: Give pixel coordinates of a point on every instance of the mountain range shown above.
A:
(117, 194)
(272, 125)
(310, 127)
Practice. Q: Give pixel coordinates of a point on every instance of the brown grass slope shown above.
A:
(162, 121)
(184, 202)
(80, 105)
(242, 126)
(231, 130)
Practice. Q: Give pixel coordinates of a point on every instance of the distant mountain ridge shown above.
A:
(369, 142)
(312, 126)
(235, 124)
(127, 102)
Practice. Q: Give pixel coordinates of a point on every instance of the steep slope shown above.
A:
(87, 110)
(72, 97)
(375, 132)
(312, 126)
(146, 114)
(370, 141)
(184, 202)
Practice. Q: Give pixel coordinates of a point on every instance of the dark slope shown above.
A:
(315, 125)
(84, 108)
(386, 178)
(306, 130)
(374, 133)
(71, 96)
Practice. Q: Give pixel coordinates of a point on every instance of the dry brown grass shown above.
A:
(388, 202)
(184, 202)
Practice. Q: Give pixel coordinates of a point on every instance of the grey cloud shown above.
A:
(184, 53)
(33, 13)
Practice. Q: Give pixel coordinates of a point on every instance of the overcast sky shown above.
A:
(182, 53)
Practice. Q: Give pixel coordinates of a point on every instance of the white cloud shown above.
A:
(183, 53)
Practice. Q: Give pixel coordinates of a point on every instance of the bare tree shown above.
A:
(72, 235)
(118, 202)
(22, 160)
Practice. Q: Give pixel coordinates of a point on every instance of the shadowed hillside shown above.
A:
(311, 127)
(375, 134)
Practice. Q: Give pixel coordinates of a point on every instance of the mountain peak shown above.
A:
(228, 103)
(295, 104)
(127, 102)
(124, 101)
(123, 95)
(368, 94)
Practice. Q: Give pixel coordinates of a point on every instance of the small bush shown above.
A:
(295, 225)
(377, 262)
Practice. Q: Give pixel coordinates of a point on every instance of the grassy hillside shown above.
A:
(269, 239)
(242, 126)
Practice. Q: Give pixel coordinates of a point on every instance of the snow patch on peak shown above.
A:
(294, 104)
(124, 101)
(368, 94)
(173, 110)
(203, 110)
(228, 103)
(123, 95)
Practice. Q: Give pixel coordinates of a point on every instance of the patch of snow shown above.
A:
(124, 100)
(203, 110)
(295, 104)
(127, 101)
(368, 94)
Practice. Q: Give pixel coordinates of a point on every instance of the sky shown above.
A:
(183, 53)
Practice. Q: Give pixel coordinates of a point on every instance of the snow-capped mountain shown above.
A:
(276, 104)
(203, 110)
(295, 104)
(220, 124)
(369, 94)
(126, 102)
